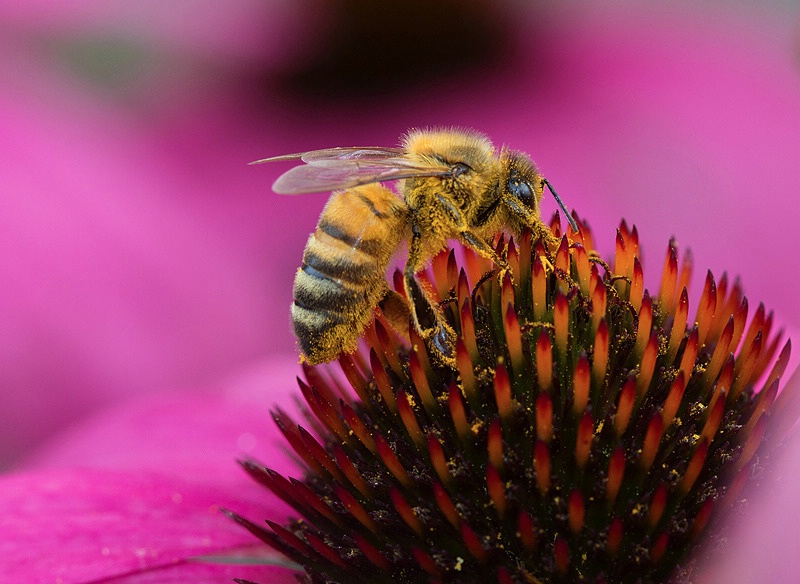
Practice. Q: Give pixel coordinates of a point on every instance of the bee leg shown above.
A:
(594, 256)
(427, 316)
(481, 247)
(547, 264)
(487, 276)
(396, 311)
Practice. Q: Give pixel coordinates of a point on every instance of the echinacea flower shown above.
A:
(590, 431)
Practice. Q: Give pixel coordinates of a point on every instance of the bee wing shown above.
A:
(345, 174)
(326, 155)
(369, 153)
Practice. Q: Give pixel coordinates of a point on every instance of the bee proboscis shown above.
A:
(453, 184)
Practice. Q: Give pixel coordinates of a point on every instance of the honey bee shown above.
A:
(453, 184)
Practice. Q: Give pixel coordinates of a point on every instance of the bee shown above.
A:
(452, 184)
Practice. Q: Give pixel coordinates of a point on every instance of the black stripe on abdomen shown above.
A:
(337, 268)
(316, 288)
(325, 295)
(367, 246)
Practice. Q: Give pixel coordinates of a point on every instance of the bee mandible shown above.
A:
(452, 184)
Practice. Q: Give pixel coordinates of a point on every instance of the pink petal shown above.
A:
(79, 526)
(134, 493)
(196, 437)
(761, 542)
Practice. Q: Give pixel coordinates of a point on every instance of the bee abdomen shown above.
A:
(341, 278)
(327, 266)
(312, 326)
(332, 289)
(338, 235)
(314, 290)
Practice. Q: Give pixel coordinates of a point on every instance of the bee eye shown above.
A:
(521, 190)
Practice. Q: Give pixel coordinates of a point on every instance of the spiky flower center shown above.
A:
(587, 432)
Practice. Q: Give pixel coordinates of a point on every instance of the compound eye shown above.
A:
(521, 190)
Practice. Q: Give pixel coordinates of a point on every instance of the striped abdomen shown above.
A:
(342, 277)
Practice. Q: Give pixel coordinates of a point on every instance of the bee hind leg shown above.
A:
(396, 311)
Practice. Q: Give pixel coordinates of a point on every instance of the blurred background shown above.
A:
(139, 253)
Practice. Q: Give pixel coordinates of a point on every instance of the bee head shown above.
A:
(524, 187)
(521, 185)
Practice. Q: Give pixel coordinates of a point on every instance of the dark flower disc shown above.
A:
(586, 430)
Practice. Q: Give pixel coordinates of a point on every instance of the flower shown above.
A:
(586, 432)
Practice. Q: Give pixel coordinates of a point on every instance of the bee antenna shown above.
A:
(569, 217)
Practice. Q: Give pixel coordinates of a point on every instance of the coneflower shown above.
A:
(589, 431)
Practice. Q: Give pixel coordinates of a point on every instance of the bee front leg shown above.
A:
(482, 248)
(543, 234)
(426, 314)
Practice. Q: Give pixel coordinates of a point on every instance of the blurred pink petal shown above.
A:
(762, 543)
(195, 435)
(134, 493)
(88, 525)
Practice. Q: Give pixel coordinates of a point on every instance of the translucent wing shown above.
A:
(333, 169)
(340, 153)
(348, 174)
